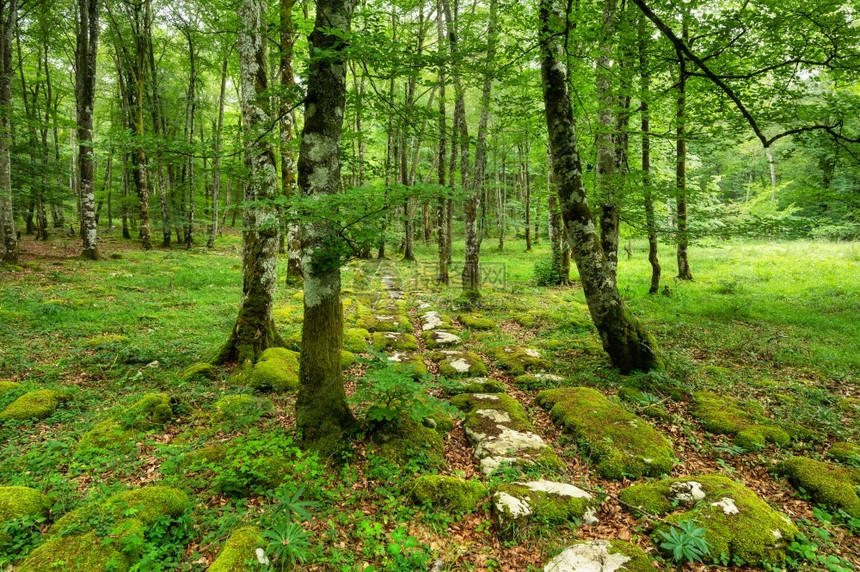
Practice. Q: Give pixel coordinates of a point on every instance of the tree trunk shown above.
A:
(85, 84)
(216, 172)
(288, 162)
(190, 118)
(321, 410)
(650, 219)
(629, 346)
(684, 272)
(8, 20)
(528, 206)
(606, 178)
(254, 330)
(442, 210)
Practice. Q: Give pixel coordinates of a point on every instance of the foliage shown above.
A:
(686, 542)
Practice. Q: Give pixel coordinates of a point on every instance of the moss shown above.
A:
(355, 339)
(346, 359)
(411, 362)
(637, 398)
(277, 370)
(470, 403)
(827, 483)
(546, 507)
(849, 405)
(241, 408)
(199, 371)
(17, 502)
(290, 314)
(146, 504)
(239, 553)
(474, 385)
(517, 360)
(474, 322)
(383, 341)
(150, 411)
(36, 404)
(440, 338)
(726, 416)
(6, 385)
(106, 341)
(756, 532)
(538, 380)
(621, 443)
(845, 452)
(456, 494)
(294, 341)
(411, 443)
(107, 435)
(81, 553)
(454, 364)
(526, 320)
(383, 322)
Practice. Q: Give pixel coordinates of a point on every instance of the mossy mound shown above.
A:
(517, 360)
(410, 444)
(497, 426)
(745, 421)
(621, 443)
(151, 411)
(145, 505)
(435, 321)
(292, 314)
(17, 502)
(849, 405)
(37, 404)
(239, 552)
(106, 341)
(845, 452)
(108, 435)
(453, 493)
(241, 408)
(79, 553)
(441, 339)
(355, 339)
(827, 483)
(608, 555)
(454, 364)
(737, 522)
(384, 341)
(346, 359)
(277, 370)
(474, 385)
(544, 502)
(6, 385)
(383, 322)
(200, 370)
(538, 380)
(474, 322)
(408, 361)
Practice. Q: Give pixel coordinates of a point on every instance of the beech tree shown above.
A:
(8, 18)
(86, 58)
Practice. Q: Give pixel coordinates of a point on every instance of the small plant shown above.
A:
(686, 543)
(288, 504)
(547, 273)
(289, 544)
(646, 399)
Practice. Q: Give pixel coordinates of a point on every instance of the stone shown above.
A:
(538, 380)
(547, 502)
(240, 548)
(37, 404)
(517, 360)
(829, 484)
(441, 338)
(277, 371)
(474, 385)
(456, 494)
(601, 556)
(723, 415)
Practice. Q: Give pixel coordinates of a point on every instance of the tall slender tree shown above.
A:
(8, 20)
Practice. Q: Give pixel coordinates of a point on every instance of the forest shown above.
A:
(429, 285)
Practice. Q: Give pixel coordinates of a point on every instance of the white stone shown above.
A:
(261, 556)
(591, 556)
(687, 492)
(554, 488)
(531, 352)
(510, 507)
(508, 442)
(548, 377)
(490, 464)
(489, 396)
(443, 338)
(396, 357)
(460, 365)
(494, 415)
(776, 533)
(727, 504)
(431, 320)
(588, 519)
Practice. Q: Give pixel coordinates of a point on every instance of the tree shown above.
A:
(321, 410)
(254, 330)
(85, 87)
(629, 346)
(8, 19)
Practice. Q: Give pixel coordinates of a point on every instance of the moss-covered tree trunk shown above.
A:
(85, 84)
(606, 177)
(288, 159)
(629, 346)
(254, 330)
(8, 18)
(442, 208)
(321, 410)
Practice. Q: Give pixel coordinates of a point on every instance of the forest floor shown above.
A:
(774, 326)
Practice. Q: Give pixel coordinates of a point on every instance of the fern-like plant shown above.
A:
(686, 543)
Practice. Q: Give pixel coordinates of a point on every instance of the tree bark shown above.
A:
(650, 218)
(288, 160)
(254, 330)
(606, 176)
(321, 410)
(216, 171)
(442, 210)
(85, 86)
(684, 272)
(629, 346)
(8, 19)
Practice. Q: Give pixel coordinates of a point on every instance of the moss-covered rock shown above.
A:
(106, 341)
(107, 435)
(149, 412)
(346, 359)
(383, 322)
(455, 364)
(441, 339)
(621, 443)
(6, 385)
(737, 522)
(827, 483)
(77, 553)
(410, 444)
(200, 370)
(517, 360)
(355, 339)
(433, 320)
(845, 452)
(277, 370)
(384, 341)
(410, 362)
(456, 494)
(497, 426)
(602, 555)
(645, 406)
(474, 385)
(849, 405)
(544, 502)
(240, 409)
(538, 380)
(725, 416)
(474, 322)
(37, 404)
(240, 552)
(146, 505)
(17, 502)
